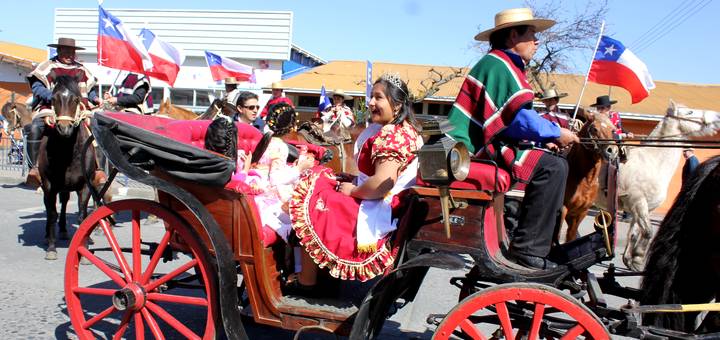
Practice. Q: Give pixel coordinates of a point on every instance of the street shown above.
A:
(32, 302)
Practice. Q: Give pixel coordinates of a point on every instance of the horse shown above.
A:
(218, 105)
(644, 179)
(343, 160)
(683, 265)
(17, 115)
(585, 161)
(59, 160)
(167, 109)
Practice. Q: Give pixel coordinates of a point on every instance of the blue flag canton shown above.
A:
(324, 100)
(147, 37)
(107, 25)
(609, 49)
(213, 59)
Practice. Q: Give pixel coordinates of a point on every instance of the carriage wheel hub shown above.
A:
(131, 297)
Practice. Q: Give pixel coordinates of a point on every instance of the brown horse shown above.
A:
(17, 115)
(59, 161)
(343, 160)
(585, 160)
(167, 109)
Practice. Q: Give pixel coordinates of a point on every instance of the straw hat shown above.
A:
(552, 93)
(515, 17)
(231, 81)
(277, 86)
(340, 92)
(66, 42)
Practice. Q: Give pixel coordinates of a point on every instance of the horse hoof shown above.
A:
(84, 261)
(51, 255)
(63, 235)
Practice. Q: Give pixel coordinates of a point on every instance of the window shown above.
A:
(438, 109)
(202, 98)
(308, 101)
(417, 108)
(181, 97)
(157, 95)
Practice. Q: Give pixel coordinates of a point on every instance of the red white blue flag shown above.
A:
(615, 65)
(119, 49)
(166, 58)
(324, 100)
(222, 68)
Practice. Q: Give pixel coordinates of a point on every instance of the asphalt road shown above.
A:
(32, 304)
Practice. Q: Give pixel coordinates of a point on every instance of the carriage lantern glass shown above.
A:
(442, 159)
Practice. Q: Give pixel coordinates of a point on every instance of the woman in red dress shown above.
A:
(345, 226)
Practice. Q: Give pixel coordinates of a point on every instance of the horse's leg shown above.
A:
(50, 199)
(83, 199)
(645, 234)
(634, 234)
(62, 222)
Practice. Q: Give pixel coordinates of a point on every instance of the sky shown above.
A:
(436, 32)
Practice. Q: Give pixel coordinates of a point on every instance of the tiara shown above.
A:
(393, 78)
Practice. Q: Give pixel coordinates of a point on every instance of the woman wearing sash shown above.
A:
(345, 227)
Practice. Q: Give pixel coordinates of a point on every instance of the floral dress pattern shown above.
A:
(326, 221)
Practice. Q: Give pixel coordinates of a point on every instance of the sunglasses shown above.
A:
(252, 107)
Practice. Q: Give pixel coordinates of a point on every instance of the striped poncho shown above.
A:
(493, 92)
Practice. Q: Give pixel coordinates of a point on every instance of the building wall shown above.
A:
(12, 73)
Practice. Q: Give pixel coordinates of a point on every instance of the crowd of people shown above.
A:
(345, 226)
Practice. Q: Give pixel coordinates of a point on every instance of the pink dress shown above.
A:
(347, 235)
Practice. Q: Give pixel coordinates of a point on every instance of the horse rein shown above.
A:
(81, 113)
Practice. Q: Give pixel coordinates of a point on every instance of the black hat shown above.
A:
(603, 101)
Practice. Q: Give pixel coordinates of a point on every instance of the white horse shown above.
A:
(643, 180)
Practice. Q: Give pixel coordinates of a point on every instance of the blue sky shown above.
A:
(430, 31)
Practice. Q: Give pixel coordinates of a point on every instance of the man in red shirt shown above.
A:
(603, 104)
(277, 97)
(551, 99)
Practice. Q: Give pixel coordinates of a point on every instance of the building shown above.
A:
(16, 61)
(260, 39)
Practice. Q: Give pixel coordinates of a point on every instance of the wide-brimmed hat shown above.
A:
(277, 86)
(603, 101)
(340, 92)
(550, 94)
(515, 17)
(66, 42)
(231, 81)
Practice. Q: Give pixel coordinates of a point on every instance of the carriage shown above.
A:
(180, 276)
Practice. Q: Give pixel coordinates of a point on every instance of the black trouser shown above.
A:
(37, 128)
(541, 208)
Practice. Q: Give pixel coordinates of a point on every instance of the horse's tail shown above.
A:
(665, 261)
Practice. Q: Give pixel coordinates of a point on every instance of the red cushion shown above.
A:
(481, 177)
(193, 132)
(267, 235)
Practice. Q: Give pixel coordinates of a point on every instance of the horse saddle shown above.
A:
(313, 133)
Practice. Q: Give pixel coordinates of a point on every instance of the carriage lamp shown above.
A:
(442, 160)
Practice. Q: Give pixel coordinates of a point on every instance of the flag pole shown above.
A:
(587, 75)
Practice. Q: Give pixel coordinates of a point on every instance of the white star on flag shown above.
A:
(108, 23)
(610, 49)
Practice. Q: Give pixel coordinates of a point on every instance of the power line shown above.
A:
(660, 22)
(675, 25)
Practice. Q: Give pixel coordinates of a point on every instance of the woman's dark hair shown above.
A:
(399, 95)
(244, 96)
(498, 39)
(281, 119)
(221, 137)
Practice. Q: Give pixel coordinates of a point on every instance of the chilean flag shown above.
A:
(166, 58)
(324, 100)
(119, 49)
(616, 66)
(222, 68)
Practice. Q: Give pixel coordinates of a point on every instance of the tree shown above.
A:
(432, 83)
(573, 32)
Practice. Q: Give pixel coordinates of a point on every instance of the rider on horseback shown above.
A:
(493, 116)
(133, 95)
(338, 117)
(42, 80)
(231, 90)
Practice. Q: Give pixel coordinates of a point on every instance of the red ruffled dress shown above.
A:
(326, 221)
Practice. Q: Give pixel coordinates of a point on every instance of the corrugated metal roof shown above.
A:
(21, 55)
(350, 76)
(236, 34)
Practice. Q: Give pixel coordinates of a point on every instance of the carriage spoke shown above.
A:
(122, 262)
(123, 326)
(98, 317)
(93, 291)
(504, 316)
(137, 264)
(469, 328)
(139, 327)
(186, 300)
(171, 320)
(537, 320)
(102, 266)
(167, 277)
(154, 327)
(573, 333)
(156, 257)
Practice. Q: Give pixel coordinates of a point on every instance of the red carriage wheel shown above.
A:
(521, 310)
(137, 285)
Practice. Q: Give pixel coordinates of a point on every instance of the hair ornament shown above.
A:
(393, 78)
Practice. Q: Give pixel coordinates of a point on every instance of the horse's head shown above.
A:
(600, 127)
(692, 122)
(65, 102)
